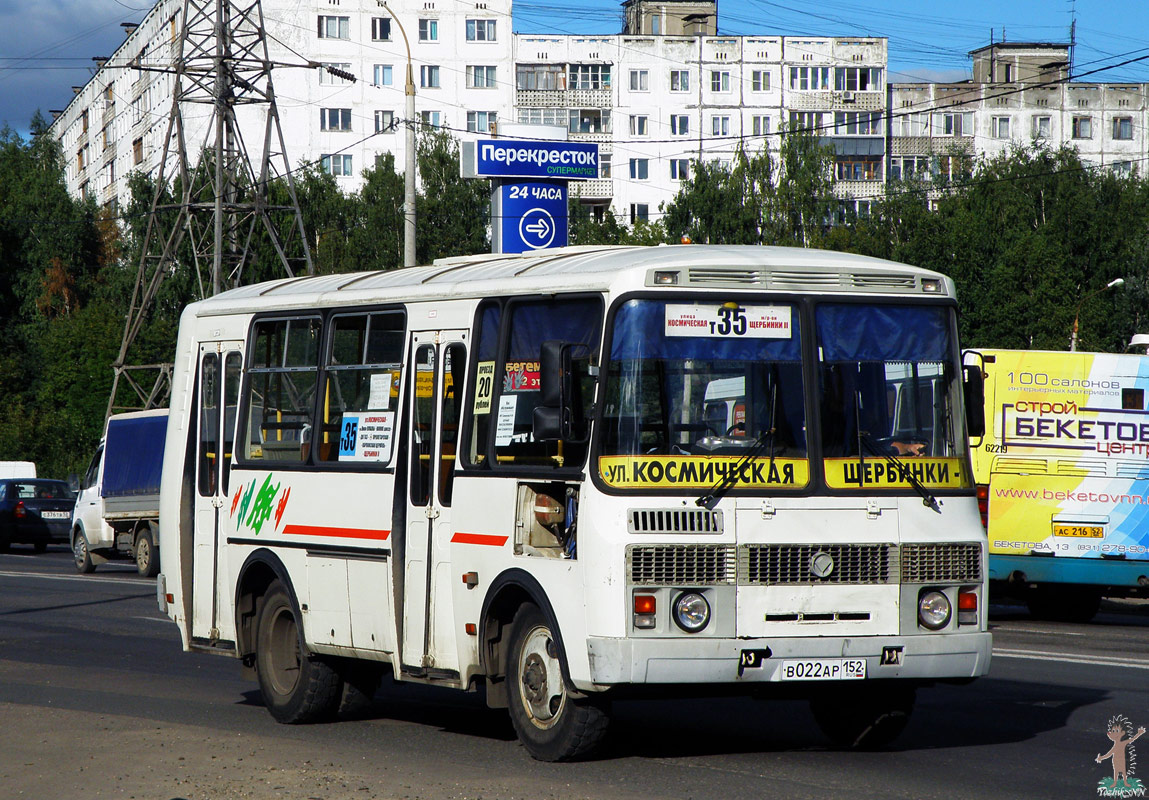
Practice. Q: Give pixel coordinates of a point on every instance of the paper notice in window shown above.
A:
(380, 391)
(484, 386)
(505, 425)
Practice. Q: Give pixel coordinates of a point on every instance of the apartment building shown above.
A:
(667, 90)
(1020, 93)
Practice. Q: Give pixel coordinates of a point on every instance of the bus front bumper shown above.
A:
(713, 660)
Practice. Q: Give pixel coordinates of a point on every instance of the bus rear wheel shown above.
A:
(296, 687)
(864, 717)
(551, 724)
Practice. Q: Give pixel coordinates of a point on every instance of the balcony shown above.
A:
(564, 98)
(600, 188)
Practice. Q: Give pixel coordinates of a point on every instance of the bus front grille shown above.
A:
(673, 520)
(941, 563)
(681, 564)
(771, 564)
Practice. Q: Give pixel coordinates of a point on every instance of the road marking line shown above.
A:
(1045, 655)
(1011, 629)
(154, 619)
(85, 578)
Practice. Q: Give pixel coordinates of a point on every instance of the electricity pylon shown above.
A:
(221, 65)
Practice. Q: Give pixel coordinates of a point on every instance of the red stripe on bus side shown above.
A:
(345, 533)
(479, 538)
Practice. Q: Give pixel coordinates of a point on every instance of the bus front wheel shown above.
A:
(863, 718)
(296, 687)
(551, 724)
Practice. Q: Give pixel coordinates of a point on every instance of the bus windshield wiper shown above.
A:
(766, 438)
(928, 499)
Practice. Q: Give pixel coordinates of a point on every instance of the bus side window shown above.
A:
(486, 357)
(575, 320)
(281, 389)
(362, 370)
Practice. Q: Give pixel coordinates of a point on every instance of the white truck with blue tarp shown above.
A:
(118, 506)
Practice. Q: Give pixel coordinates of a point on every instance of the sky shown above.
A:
(47, 46)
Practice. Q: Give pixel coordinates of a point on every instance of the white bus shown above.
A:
(508, 473)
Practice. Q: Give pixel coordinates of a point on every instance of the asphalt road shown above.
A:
(98, 700)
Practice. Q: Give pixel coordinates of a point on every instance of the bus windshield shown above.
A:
(889, 391)
(692, 387)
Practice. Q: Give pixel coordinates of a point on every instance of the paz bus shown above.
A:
(578, 475)
(1063, 473)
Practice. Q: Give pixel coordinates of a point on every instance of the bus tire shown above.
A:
(360, 683)
(863, 718)
(296, 687)
(551, 724)
(80, 555)
(147, 556)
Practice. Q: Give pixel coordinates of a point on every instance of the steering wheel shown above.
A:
(737, 427)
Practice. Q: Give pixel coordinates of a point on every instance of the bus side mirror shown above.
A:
(554, 417)
(973, 389)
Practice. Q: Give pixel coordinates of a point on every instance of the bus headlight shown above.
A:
(691, 612)
(933, 610)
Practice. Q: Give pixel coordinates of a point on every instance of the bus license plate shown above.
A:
(1080, 531)
(823, 669)
(55, 515)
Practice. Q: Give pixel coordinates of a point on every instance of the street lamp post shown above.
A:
(1077, 314)
(409, 168)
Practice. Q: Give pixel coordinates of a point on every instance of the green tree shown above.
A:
(453, 213)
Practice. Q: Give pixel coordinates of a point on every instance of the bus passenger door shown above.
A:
(428, 636)
(217, 397)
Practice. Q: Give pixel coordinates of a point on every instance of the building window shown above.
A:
(957, 124)
(137, 150)
(679, 80)
(1041, 127)
(589, 120)
(540, 77)
(1123, 168)
(858, 123)
(334, 27)
(84, 121)
(480, 77)
(339, 164)
(679, 124)
(604, 165)
(430, 119)
(805, 120)
(380, 29)
(679, 169)
(384, 121)
(810, 79)
(858, 169)
(849, 210)
(719, 80)
(914, 124)
(858, 79)
(720, 126)
(429, 76)
(480, 30)
(639, 211)
(543, 116)
(1000, 127)
(1083, 127)
(589, 76)
(640, 80)
(428, 30)
(760, 80)
(1123, 127)
(638, 126)
(639, 169)
(909, 168)
(327, 79)
(382, 75)
(335, 119)
(480, 121)
(760, 125)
